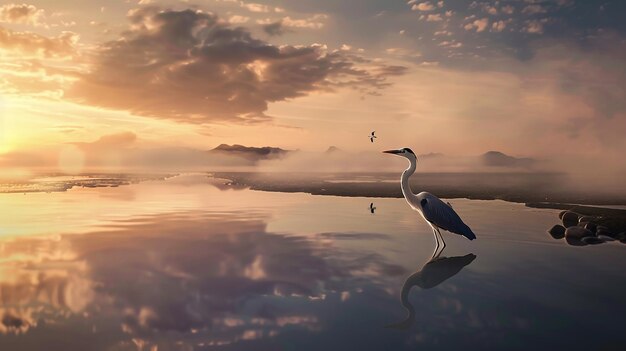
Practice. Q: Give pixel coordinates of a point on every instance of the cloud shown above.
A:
(491, 10)
(434, 18)
(479, 24)
(28, 43)
(236, 19)
(498, 26)
(22, 72)
(423, 6)
(533, 10)
(253, 7)
(190, 66)
(313, 22)
(20, 13)
(534, 27)
(110, 141)
(508, 9)
(275, 28)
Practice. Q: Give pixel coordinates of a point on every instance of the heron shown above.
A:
(372, 208)
(434, 272)
(372, 136)
(438, 214)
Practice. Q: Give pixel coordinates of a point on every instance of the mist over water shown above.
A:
(120, 153)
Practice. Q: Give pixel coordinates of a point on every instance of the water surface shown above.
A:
(187, 264)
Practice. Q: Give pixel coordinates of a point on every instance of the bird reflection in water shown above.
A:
(434, 272)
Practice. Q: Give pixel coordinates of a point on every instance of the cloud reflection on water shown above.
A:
(208, 279)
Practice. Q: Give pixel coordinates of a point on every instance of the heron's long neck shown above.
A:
(406, 188)
(404, 299)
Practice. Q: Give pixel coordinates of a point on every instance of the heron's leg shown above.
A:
(437, 254)
(436, 245)
(439, 248)
(441, 237)
(436, 240)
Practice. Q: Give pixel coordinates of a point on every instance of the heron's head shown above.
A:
(404, 152)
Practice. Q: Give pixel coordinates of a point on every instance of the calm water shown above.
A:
(182, 265)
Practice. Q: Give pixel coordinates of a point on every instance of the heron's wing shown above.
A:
(443, 216)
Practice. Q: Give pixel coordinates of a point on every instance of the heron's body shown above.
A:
(437, 213)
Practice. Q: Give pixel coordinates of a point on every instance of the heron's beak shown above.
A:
(392, 152)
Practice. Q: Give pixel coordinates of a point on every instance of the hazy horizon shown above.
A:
(135, 84)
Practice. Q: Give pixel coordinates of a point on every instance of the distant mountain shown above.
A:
(498, 159)
(250, 152)
(431, 155)
(332, 149)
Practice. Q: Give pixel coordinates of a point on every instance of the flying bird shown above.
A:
(372, 136)
(372, 208)
(438, 214)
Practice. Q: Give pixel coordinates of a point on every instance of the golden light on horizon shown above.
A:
(71, 160)
(230, 75)
(3, 144)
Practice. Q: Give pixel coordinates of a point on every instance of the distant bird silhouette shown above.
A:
(372, 208)
(434, 272)
(437, 213)
(372, 136)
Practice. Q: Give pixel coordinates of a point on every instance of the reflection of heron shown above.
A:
(437, 213)
(372, 208)
(433, 273)
(372, 136)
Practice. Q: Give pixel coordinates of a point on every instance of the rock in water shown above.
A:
(605, 232)
(592, 240)
(601, 227)
(574, 241)
(557, 231)
(605, 238)
(591, 226)
(570, 219)
(586, 219)
(577, 232)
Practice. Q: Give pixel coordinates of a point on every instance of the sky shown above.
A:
(541, 79)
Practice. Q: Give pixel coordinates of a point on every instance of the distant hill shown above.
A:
(499, 159)
(250, 152)
(431, 155)
(332, 149)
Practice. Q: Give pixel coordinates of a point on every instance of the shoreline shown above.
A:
(51, 183)
(499, 187)
(543, 195)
